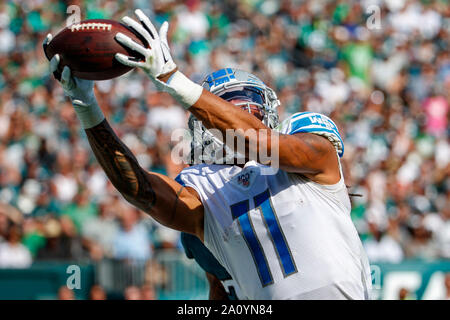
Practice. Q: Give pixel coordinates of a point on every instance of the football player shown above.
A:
(286, 235)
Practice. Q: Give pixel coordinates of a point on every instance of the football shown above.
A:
(88, 48)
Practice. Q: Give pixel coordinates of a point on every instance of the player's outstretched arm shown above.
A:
(302, 153)
(163, 198)
(167, 201)
(305, 153)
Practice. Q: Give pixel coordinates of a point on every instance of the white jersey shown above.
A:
(280, 236)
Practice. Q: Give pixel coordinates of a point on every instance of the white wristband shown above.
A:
(184, 90)
(89, 115)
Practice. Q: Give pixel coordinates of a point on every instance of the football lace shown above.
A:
(91, 26)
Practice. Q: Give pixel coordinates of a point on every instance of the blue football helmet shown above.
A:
(231, 84)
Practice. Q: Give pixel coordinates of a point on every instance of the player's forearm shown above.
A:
(295, 153)
(121, 166)
(163, 198)
(216, 113)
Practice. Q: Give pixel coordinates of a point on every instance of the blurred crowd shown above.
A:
(380, 69)
(97, 292)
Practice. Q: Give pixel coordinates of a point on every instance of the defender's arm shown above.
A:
(216, 289)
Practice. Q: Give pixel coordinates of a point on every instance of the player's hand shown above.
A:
(80, 91)
(45, 43)
(158, 61)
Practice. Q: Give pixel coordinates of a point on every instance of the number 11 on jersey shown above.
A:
(263, 203)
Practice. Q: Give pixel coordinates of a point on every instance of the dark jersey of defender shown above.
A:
(196, 250)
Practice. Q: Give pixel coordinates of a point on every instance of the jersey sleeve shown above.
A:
(185, 179)
(179, 180)
(185, 244)
(315, 123)
(193, 247)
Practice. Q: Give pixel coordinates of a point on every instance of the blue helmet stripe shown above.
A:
(220, 76)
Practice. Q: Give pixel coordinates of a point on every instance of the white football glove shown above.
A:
(80, 92)
(157, 59)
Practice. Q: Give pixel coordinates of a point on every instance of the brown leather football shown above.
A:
(88, 48)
